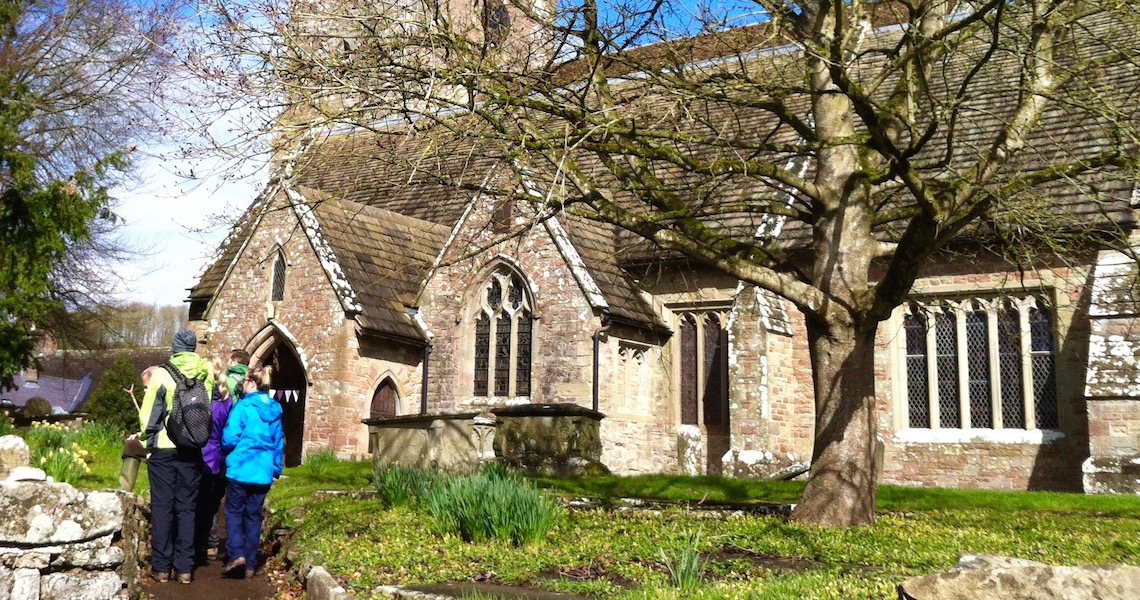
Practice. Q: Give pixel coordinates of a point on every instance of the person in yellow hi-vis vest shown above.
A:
(174, 471)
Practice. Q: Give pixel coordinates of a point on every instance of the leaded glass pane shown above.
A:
(688, 370)
(278, 291)
(1009, 363)
(503, 354)
(482, 352)
(495, 294)
(918, 395)
(515, 293)
(946, 343)
(715, 400)
(1044, 375)
(978, 361)
(522, 361)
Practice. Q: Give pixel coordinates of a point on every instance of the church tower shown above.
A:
(347, 63)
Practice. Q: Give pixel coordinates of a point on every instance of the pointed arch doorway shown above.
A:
(290, 384)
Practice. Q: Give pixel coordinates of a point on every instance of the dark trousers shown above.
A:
(210, 495)
(243, 521)
(174, 479)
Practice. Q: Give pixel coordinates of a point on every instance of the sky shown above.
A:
(180, 222)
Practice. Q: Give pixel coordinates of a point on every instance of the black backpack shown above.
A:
(190, 420)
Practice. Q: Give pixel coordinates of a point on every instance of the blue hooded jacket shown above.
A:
(254, 440)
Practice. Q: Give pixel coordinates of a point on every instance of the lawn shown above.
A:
(630, 554)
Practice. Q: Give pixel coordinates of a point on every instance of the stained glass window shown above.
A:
(998, 356)
(946, 343)
(277, 292)
(689, 370)
(978, 361)
(504, 327)
(916, 370)
(1044, 377)
(715, 399)
(482, 352)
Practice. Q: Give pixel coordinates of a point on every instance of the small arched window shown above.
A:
(277, 293)
(503, 333)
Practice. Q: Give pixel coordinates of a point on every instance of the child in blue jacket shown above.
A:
(255, 443)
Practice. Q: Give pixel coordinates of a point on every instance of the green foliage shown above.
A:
(40, 218)
(615, 555)
(63, 464)
(6, 425)
(401, 486)
(684, 563)
(490, 506)
(47, 436)
(110, 404)
(320, 463)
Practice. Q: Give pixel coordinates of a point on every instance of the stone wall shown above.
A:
(58, 542)
(550, 439)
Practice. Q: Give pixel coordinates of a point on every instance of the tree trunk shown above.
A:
(841, 484)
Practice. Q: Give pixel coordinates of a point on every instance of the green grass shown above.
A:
(618, 554)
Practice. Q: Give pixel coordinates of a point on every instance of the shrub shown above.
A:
(110, 404)
(48, 436)
(320, 462)
(6, 425)
(63, 464)
(486, 506)
(685, 564)
(37, 407)
(400, 486)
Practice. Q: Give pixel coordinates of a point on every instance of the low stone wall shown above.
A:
(58, 542)
(550, 439)
(451, 442)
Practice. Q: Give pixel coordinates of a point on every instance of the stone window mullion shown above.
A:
(1026, 364)
(990, 309)
(960, 311)
(512, 375)
(932, 370)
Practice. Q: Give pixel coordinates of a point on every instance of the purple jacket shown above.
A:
(212, 452)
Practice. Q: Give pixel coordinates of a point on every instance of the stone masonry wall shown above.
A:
(58, 542)
(311, 317)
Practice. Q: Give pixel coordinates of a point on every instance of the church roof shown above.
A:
(383, 255)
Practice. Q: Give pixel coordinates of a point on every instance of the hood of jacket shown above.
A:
(191, 365)
(268, 409)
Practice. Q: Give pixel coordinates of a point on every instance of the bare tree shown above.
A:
(873, 135)
(81, 83)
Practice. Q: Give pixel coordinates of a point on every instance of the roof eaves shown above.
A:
(325, 253)
(263, 199)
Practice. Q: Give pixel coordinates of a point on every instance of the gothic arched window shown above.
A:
(277, 292)
(503, 333)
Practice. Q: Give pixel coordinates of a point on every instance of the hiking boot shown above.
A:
(232, 566)
(161, 576)
(184, 578)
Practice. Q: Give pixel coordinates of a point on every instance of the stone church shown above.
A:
(379, 289)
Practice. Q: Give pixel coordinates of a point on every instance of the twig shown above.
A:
(131, 392)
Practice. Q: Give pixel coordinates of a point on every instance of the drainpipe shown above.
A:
(424, 384)
(414, 313)
(597, 346)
